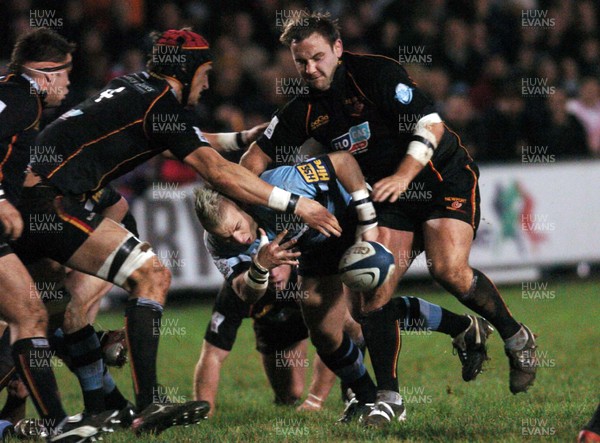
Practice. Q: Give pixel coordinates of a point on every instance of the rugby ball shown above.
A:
(366, 265)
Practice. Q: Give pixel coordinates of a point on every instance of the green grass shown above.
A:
(441, 407)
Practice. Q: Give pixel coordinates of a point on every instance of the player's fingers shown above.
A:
(280, 236)
(289, 244)
(291, 262)
(290, 254)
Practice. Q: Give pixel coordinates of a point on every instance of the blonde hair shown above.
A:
(208, 204)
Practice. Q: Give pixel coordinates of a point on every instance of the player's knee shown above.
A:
(33, 319)
(152, 274)
(325, 341)
(453, 277)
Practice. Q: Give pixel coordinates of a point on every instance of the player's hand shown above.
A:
(318, 217)
(274, 253)
(389, 188)
(368, 235)
(250, 135)
(11, 221)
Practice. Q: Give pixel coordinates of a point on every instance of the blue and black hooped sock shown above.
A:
(347, 363)
(419, 315)
(142, 325)
(32, 358)
(83, 348)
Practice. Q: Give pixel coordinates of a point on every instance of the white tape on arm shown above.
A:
(279, 199)
(228, 141)
(425, 143)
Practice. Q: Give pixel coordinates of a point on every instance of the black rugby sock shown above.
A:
(381, 329)
(83, 349)
(142, 325)
(347, 363)
(483, 298)
(113, 398)
(32, 358)
(453, 324)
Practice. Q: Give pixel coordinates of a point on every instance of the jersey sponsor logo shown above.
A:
(314, 172)
(271, 127)
(215, 321)
(320, 121)
(139, 84)
(71, 113)
(200, 135)
(355, 140)
(404, 93)
(2, 106)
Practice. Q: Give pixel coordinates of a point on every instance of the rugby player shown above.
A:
(281, 339)
(357, 103)
(245, 261)
(100, 140)
(39, 77)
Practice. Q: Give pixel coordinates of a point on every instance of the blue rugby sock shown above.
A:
(83, 348)
(347, 363)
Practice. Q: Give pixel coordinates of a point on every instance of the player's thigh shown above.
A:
(447, 243)
(324, 309)
(100, 244)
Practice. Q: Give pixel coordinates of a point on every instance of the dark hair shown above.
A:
(39, 45)
(298, 29)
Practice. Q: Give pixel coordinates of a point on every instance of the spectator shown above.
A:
(586, 107)
(564, 134)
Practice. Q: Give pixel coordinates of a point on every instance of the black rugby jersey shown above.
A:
(134, 118)
(20, 112)
(370, 110)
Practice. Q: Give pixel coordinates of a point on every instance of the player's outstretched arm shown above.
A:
(237, 182)
(255, 159)
(234, 141)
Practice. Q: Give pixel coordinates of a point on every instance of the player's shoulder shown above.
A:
(368, 62)
(364, 67)
(16, 89)
(296, 106)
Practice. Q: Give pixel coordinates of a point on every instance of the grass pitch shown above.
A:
(440, 406)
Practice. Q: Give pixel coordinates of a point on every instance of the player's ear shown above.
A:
(338, 48)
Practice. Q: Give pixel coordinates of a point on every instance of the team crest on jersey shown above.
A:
(404, 93)
(355, 140)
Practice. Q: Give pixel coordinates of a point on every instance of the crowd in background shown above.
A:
(509, 76)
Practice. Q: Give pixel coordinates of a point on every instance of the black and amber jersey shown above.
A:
(371, 110)
(134, 118)
(20, 112)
